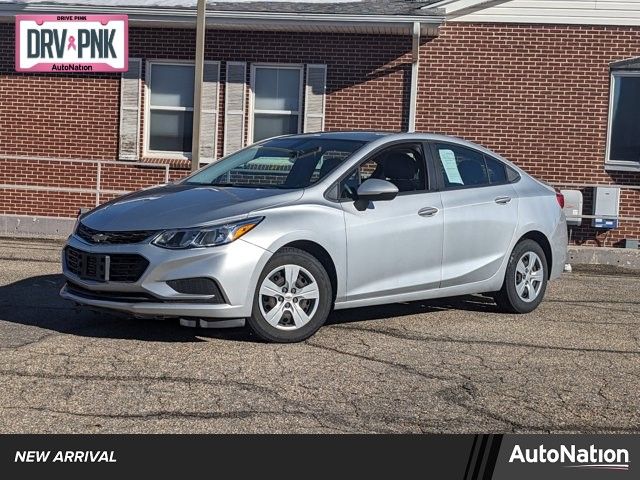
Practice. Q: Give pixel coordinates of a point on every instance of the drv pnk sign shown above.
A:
(72, 43)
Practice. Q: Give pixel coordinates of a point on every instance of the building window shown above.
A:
(624, 118)
(170, 109)
(277, 98)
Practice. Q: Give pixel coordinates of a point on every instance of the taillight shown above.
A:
(560, 198)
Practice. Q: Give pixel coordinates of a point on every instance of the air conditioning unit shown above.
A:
(572, 206)
(606, 207)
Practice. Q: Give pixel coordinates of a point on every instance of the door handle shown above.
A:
(503, 200)
(427, 211)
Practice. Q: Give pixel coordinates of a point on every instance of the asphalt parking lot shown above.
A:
(440, 366)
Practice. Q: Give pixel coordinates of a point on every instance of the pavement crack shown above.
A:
(399, 366)
(395, 333)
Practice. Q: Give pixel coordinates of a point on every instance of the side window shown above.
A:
(460, 166)
(496, 169)
(403, 165)
(512, 175)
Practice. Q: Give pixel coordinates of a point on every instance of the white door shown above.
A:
(393, 246)
(480, 209)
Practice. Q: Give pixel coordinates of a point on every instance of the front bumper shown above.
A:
(234, 267)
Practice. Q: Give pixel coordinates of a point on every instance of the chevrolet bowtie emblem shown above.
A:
(99, 237)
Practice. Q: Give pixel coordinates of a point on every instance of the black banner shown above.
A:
(459, 457)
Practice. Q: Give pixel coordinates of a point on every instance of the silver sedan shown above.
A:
(281, 232)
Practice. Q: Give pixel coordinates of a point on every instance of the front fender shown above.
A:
(317, 223)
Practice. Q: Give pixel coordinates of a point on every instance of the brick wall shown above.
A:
(60, 116)
(537, 95)
(76, 116)
(367, 77)
(76, 180)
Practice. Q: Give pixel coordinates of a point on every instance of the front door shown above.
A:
(393, 246)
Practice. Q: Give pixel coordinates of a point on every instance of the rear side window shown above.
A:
(465, 167)
(461, 167)
(496, 170)
(512, 175)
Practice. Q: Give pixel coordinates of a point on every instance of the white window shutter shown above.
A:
(315, 96)
(209, 120)
(234, 111)
(130, 111)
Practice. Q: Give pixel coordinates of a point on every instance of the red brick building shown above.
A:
(555, 89)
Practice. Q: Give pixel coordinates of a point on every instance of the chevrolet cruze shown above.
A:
(281, 232)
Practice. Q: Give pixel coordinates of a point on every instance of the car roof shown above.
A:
(363, 136)
(372, 136)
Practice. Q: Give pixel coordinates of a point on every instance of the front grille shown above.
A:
(119, 267)
(112, 238)
(127, 267)
(73, 259)
(85, 265)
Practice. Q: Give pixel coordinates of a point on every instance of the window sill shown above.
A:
(622, 166)
(179, 163)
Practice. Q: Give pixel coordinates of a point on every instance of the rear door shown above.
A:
(394, 246)
(480, 209)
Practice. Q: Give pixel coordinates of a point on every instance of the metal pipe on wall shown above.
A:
(197, 87)
(415, 58)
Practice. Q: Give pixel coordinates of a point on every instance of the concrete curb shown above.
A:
(35, 227)
(616, 257)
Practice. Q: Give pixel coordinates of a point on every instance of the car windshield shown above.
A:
(288, 162)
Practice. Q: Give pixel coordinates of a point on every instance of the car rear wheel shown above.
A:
(525, 280)
(292, 299)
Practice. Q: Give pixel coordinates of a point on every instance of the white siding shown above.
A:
(581, 12)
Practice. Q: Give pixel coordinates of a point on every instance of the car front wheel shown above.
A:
(292, 299)
(525, 279)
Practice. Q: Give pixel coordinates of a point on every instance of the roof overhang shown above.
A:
(626, 64)
(236, 20)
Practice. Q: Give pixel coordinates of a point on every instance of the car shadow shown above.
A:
(35, 302)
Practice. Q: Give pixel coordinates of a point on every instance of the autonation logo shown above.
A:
(573, 457)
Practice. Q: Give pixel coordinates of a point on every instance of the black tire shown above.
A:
(258, 323)
(508, 299)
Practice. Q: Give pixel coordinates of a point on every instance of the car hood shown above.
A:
(182, 205)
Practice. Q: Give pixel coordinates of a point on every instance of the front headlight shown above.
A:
(205, 236)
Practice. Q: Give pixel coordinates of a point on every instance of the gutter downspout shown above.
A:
(197, 86)
(415, 60)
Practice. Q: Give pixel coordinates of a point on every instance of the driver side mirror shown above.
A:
(375, 189)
